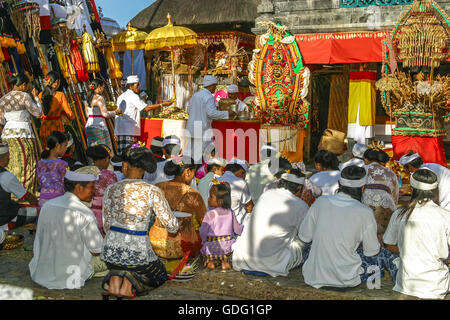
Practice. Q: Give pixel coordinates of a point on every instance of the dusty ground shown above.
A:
(207, 285)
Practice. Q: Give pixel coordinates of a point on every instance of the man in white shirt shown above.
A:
(67, 242)
(202, 111)
(337, 225)
(233, 93)
(241, 199)
(357, 157)
(413, 162)
(128, 126)
(269, 242)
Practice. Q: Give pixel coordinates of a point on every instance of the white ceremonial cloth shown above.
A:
(66, 235)
(443, 175)
(269, 242)
(423, 242)
(258, 177)
(328, 181)
(129, 124)
(240, 194)
(337, 225)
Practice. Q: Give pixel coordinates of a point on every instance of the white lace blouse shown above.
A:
(377, 174)
(97, 113)
(130, 204)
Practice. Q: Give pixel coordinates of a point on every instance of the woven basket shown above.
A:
(13, 241)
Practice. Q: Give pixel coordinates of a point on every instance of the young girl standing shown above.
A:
(50, 169)
(218, 226)
(101, 159)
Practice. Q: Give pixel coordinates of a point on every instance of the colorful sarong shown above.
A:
(96, 136)
(23, 157)
(217, 248)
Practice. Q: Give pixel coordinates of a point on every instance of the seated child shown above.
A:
(218, 227)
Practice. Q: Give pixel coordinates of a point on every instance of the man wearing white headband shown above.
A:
(233, 93)
(128, 126)
(156, 146)
(413, 162)
(259, 175)
(357, 157)
(241, 199)
(215, 168)
(67, 236)
(337, 225)
(269, 242)
(418, 237)
(10, 211)
(202, 111)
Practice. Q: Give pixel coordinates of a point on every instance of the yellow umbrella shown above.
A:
(130, 39)
(170, 37)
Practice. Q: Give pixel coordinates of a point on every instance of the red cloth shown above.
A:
(430, 149)
(351, 47)
(78, 62)
(150, 128)
(248, 150)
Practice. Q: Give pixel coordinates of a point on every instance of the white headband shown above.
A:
(218, 161)
(171, 141)
(239, 162)
(209, 81)
(116, 164)
(359, 149)
(132, 79)
(353, 183)
(268, 147)
(422, 185)
(233, 88)
(407, 159)
(79, 177)
(4, 148)
(293, 178)
(157, 143)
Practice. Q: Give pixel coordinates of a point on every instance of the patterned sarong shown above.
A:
(22, 162)
(217, 248)
(96, 136)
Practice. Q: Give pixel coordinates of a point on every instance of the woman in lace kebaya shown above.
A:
(128, 207)
(50, 169)
(16, 109)
(381, 191)
(96, 127)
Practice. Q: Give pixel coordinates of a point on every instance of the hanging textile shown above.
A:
(65, 65)
(54, 63)
(34, 59)
(8, 32)
(14, 63)
(361, 105)
(103, 64)
(77, 61)
(90, 54)
(430, 149)
(338, 102)
(113, 64)
(44, 13)
(139, 66)
(2, 56)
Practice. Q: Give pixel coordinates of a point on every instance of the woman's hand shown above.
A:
(34, 93)
(166, 103)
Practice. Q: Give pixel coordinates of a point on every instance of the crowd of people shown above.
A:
(124, 217)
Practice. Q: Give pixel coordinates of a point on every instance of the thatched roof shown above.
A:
(199, 15)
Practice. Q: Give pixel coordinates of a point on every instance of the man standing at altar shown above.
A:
(202, 111)
(233, 93)
(128, 126)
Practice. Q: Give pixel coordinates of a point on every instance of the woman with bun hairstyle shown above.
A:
(96, 126)
(16, 109)
(327, 178)
(51, 169)
(128, 208)
(381, 192)
(101, 159)
(54, 105)
(186, 200)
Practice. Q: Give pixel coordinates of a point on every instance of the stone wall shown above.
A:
(319, 16)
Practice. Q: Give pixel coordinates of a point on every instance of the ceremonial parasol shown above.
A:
(171, 37)
(130, 39)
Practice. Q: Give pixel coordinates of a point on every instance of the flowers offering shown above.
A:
(174, 114)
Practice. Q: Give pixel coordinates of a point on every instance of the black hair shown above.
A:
(141, 158)
(289, 185)
(278, 166)
(352, 173)
(327, 159)
(223, 194)
(210, 167)
(69, 185)
(172, 149)
(416, 163)
(268, 153)
(157, 150)
(56, 137)
(376, 155)
(234, 167)
(47, 94)
(421, 196)
(171, 168)
(117, 159)
(18, 79)
(97, 82)
(97, 153)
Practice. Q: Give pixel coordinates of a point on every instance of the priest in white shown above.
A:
(202, 111)
(233, 93)
(413, 162)
(269, 242)
(67, 242)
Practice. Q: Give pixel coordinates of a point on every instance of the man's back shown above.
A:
(67, 233)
